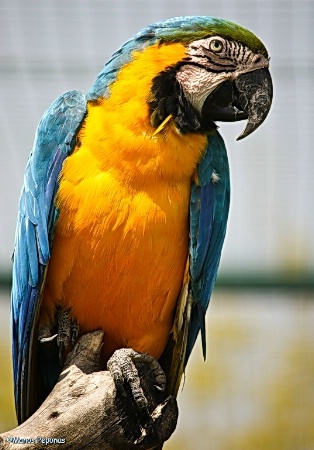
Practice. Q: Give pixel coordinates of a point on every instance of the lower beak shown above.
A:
(249, 96)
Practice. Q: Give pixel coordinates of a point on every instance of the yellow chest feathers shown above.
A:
(120, 163)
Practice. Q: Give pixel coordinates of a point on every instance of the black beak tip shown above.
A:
(250, 127)
(254, 93)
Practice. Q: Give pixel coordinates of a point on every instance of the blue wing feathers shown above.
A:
(209, 207)
(205, 226)
(54, 141)
(32, 253)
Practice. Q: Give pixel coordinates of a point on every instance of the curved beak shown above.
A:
(254, 92)
(249, 96)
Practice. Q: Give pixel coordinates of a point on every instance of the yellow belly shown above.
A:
(124, 282)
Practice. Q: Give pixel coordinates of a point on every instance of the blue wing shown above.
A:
(209, 207)
(55, 139)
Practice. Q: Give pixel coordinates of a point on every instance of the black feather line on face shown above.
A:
(167, 97)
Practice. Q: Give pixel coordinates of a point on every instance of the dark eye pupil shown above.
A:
(216, 45)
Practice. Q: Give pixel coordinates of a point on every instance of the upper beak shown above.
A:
(249, 96)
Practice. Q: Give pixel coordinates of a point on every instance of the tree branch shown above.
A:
(85, 410)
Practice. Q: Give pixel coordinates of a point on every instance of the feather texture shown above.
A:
(54, 141)
(209, 209)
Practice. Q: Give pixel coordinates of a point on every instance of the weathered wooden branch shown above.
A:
(85, 410)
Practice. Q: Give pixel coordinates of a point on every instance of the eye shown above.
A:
(215, 45)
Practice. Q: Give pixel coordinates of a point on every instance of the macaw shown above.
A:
(125, 201)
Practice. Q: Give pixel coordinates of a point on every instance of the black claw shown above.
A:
(74, 332)
(44, 335)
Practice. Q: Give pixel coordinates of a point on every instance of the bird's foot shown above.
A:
(125, 365)
(66, 335)
(147, 415)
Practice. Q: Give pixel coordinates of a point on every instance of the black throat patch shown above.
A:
(167, 97)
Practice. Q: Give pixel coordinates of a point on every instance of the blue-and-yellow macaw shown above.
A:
(124, 207)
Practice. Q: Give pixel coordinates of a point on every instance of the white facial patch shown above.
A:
(197, 83)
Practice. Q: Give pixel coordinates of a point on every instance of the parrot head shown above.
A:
(223, 75)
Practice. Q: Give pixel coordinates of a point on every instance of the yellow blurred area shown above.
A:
(254, 392)
(7, 411)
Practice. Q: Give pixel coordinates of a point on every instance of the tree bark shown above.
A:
(85, 410)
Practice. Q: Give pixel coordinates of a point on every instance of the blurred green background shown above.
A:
(255, 391)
